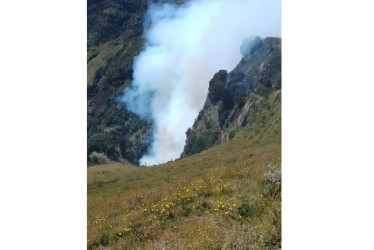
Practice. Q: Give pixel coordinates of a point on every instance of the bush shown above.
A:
(92, 90)
(109, 134)
(216, 87)
(232, 134)
(98, 75)
(98, 158)
(199, 142)
(104, 239)
(102, 143)
(124, 16)
(245, 210)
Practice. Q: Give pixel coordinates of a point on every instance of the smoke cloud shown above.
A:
(184, 46)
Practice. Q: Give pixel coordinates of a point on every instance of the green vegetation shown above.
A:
(97, 58)
(216, 89)
(114, 30)
(199, 142)
(108, 19)
(232, 134)
(117, 133)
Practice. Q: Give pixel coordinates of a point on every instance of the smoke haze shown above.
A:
(184, 47)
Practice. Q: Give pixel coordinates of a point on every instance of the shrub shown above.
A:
(216, 87)
(199, 142)
(232, 134)
(103, 143)
(92, 90)
(245, 210)
(98, 158)
(104, 240)
(98, 74)
(186, 210)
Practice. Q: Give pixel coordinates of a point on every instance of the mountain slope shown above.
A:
(114, 38)
(219, 198)
(114, 30)
(238, 99)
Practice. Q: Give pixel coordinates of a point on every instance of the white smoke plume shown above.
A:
(184, 46)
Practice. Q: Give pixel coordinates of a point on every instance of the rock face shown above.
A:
(236, 99)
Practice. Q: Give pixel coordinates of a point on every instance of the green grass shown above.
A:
(99, 56)
(217, 199)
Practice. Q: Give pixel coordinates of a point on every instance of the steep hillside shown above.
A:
(240, 98)
(114, 38)
(226, 197)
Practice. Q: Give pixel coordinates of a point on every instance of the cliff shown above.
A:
(240, 98)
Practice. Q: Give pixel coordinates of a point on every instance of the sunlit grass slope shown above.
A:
(218, 199)
(100, 56)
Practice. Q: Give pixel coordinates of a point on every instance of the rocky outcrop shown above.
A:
(236, 99)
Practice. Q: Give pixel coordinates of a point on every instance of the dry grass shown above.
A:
(218, 199)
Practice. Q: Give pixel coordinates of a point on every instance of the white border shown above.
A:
(327, 124)
(43, 124)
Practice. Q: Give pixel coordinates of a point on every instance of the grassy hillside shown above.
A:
(221, 198)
